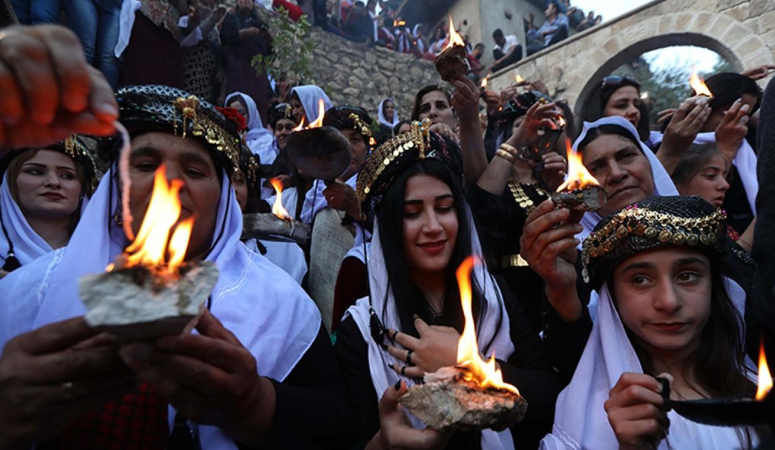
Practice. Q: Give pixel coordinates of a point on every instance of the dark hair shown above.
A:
(421, 94)
(498, 33)
(399, 125)
(238, 98)
(594, 107)
(409, 300)
(339, 118)
(479, 45)
(603, 130)
(693, 160)
(728, 87)
(718, 363)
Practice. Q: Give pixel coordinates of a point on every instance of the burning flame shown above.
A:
(484, 83)
(698, 84)
(765, 379)
(321, 113)
(561, 122)
(578, 176)
(300, 127)
(398, 23)
(484, 373)
(454, 37)
(518, 78)
(277, 208)
(151, 244)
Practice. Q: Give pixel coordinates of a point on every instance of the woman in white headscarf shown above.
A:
(665, 311)
(387, 116)
(260, 140)
(42, 196)
(272, 351)
(409, 323)
(305, 101)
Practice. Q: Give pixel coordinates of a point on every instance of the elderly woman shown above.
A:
(42, 196)
(272, 351)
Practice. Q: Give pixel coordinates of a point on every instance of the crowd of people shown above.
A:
(598, 317)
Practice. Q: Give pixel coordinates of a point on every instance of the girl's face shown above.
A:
(430, 224)
(297, 109)
(435, 106)
(624, 102)
(710, 182)
(389, 110)
(48, 186)
(405, 128)
(621, 169)
(186, 160)
(359, 151)
(664, 299)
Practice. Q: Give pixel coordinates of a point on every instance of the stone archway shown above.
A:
(574, 67)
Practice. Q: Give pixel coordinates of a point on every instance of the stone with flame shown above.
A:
(278, 224)
(471, 395)
(452, 61)
(580, 191)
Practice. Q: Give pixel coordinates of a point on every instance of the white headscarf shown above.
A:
(27, 244)
(381, 114)
(745, 161)
(309, 96)
(259, 139)
(265, 309)
(381, 375)
(663, 184)
(580, 420)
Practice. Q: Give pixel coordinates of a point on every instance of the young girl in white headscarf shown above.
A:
(42, 196)
(387, 115)
(305, 101)
(665, 311)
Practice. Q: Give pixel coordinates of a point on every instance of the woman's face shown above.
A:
(359, 151)
(282, 130)
(240, 189)
(664, 297)
(621, 169)
(624, 102)
(389, 109)
(717, 115)
(404, 128)
(710, 182)
(236, 104)
(186, 160)
(435, 106)
(297, 109)
(430, 223)
(48, 186)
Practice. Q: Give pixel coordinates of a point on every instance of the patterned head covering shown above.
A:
(167, 109)
(652, 223)
(350, 117)
(280, 111)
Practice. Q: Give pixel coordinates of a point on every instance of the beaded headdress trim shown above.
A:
(666, 228)
(418, 137)
(76, 150)
(202, 126)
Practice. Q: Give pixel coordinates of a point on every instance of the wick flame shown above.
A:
(518, 78)
(150, 246)
(578, 176)
(321, 113)
(484, 373)
(454, 37)
(698, 84)
(484, 83)
(561, 122)
(300, 127)
(277, 208)
(765, 379)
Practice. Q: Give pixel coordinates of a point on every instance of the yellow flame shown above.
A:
(578, 176)
(398, 23)
(277, 208)
(518, 78)
(698, 84)
(301, 125)
(150, 246)
(484, 83)
(765, 379)
(486, 374)
(561, 122)
(454, 37)
(321, 113)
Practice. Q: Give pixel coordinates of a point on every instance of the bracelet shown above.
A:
(505, 155)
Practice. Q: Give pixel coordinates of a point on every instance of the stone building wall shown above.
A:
(359, 75)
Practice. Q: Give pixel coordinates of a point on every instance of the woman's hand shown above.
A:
(395, 430)
(539, 115)
(687, 121)
(465, 99)
(634, 408)
(48, 90)
(341, 197)
(553, 172)
(548, 244)
(209, 378)
(444, 130)
(53, 375)
(732, 129)
(436, 348)
(493, 102)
